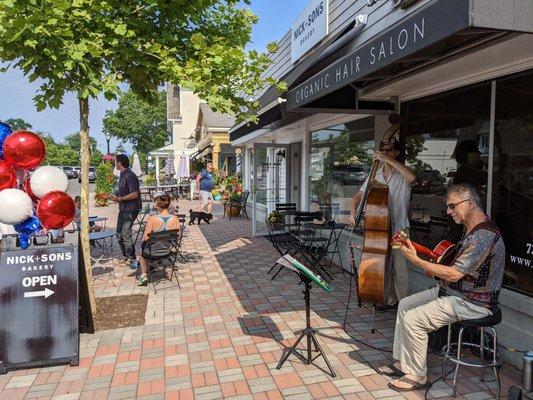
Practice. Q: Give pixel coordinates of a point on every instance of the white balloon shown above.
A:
(15, 206)
(46, 179)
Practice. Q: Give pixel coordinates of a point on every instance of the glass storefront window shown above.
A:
(339, 163)
(446, 141)
(512, 194)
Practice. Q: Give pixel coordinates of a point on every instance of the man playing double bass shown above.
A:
(468, 288)
(399, 178)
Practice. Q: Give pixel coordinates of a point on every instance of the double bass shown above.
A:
(376, 235)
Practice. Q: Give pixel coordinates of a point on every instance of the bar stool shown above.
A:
(484, 324)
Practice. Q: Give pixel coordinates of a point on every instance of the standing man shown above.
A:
(129, 199)
(204, 183)
(467, 289)
(399, 178)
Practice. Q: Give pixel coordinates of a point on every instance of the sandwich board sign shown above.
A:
(39, 307)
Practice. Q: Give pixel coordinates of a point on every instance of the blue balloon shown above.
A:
(5, 131)
(26, 229)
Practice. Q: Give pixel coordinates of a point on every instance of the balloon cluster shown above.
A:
(36, 201)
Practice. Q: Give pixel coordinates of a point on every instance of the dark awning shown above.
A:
(330, 80)
(434, 30)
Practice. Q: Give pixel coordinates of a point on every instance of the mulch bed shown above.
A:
(120, 311)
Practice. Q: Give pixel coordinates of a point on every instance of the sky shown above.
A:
(16, 93)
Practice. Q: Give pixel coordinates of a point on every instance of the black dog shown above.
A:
(199, 215)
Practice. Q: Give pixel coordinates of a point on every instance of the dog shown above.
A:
(199, 215)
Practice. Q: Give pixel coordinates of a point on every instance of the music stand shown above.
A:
(307, 277)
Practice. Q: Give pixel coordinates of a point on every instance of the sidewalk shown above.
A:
(222, 332)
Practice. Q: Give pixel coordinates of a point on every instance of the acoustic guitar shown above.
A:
(444, 253)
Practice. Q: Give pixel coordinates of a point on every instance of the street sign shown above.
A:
(39, 315)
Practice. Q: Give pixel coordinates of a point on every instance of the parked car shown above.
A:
(429, 181)
(69, 171)
(78, 171)
(92, 175)
(350, 175)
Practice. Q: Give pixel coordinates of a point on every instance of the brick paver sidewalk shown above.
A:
(221, 333)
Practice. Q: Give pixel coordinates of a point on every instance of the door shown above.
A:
(270, 182)
(296, 163)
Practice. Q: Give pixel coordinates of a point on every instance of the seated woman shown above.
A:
(162, 221)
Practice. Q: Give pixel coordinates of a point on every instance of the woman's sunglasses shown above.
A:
(452, 206)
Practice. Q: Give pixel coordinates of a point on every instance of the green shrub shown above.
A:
(104, 182)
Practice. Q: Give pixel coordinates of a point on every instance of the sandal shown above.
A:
(414, 385)
(395, 372)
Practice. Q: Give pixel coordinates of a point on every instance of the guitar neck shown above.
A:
(424, 250)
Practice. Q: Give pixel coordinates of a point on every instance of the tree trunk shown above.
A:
(84, 147)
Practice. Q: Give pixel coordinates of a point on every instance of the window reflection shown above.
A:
(446, 144)
(512, 198)
(340, 161)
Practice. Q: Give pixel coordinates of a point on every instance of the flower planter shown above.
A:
(233, 211)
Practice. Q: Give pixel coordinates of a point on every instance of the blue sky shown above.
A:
(16, 94)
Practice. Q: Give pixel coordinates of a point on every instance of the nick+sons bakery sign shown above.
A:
(426, 26)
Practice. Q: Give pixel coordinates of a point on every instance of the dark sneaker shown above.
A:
(135, 264)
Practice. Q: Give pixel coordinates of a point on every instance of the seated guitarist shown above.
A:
(468, 288)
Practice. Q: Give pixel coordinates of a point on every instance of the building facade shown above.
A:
(212, 135)
(459, 73)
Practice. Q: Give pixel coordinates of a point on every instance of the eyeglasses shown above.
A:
(452, 206)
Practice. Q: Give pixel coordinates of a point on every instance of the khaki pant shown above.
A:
(420, 314)
(396, 286)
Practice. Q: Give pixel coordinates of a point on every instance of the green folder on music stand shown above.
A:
(297, 266)
(307, 276)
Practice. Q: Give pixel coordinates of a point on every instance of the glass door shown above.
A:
(270, 182)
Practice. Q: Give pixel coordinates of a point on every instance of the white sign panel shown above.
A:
(309, 28)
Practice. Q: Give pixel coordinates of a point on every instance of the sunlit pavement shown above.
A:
(222, 331)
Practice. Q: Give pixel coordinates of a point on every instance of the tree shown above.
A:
(74, 142)
(90, 46)
(58, 153)
(414, 145)
(142, 124)
(18, 123)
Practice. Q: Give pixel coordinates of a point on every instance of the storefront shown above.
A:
(212, 136)
(459, 72)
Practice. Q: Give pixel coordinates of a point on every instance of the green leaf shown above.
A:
(120, 29)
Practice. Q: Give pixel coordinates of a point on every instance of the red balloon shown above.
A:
(29, 192)
(56, 210)
(8, 177)
(24, 149)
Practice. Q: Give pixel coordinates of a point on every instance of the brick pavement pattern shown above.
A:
(222, 331)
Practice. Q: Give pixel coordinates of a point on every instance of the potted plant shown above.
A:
(104, 183)
(216, 194)
(275, 219)
(100, 199)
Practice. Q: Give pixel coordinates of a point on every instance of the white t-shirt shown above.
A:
(399, 198)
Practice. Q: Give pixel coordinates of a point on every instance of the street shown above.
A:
(74, 188)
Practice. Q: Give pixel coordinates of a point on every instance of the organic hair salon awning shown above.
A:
(437, 30)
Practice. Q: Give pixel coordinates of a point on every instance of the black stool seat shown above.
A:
(491, 320)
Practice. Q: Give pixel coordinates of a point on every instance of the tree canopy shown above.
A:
(142, 124)
(90, 46)
(18, 123)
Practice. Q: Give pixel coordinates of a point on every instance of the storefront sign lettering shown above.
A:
(309, 28)
(427, 26)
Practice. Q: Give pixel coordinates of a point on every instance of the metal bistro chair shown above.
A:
(241, 205)
(287, 210)
(283, 241)
(168, 240)
(181, 218)
(485, 325)
(313, 247)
